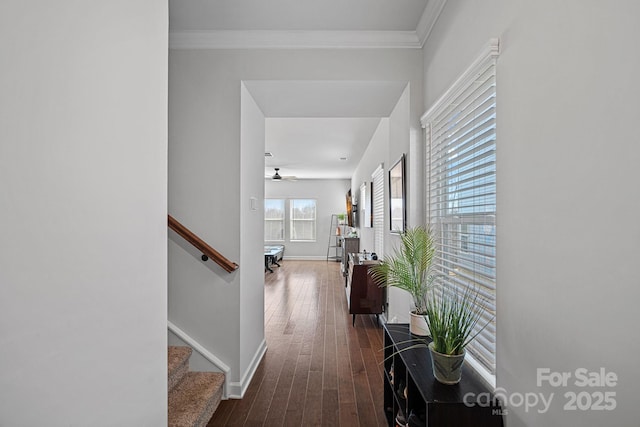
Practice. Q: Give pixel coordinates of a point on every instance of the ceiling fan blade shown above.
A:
(277, 177)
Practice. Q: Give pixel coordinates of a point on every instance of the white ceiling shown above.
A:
(221, 24)
(326, 98)
(313, 147)
(327, 15)
(310, 125)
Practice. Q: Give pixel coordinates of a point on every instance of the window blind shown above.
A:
(461, 191)
(302, 220)
(378, 210)
(274, 220)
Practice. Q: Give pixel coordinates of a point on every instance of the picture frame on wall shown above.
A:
(349, 209)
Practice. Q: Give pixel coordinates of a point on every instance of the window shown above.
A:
(303, 220)
(274, 220)
(378, 210)
(365, 204)
(397, 197)
(461, 191)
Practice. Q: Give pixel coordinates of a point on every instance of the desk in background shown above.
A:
(272, 254)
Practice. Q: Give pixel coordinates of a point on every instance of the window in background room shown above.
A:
(378, 210)
(461, 192)
(274, 220)
(303, 220)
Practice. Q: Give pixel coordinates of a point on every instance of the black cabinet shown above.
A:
(412, 394)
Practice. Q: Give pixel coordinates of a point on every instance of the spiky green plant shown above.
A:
(409, 268)
(453, 317)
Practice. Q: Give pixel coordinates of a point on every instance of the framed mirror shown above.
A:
(397, 197)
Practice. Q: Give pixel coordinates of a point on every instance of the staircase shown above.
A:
(193, 396)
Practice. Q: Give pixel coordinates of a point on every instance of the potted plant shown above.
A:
(453, 316)
(409, 268)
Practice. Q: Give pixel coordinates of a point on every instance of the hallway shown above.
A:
(318, 369)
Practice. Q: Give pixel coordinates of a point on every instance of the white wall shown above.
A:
(330, 196)
(375, 154)
(206, 168)
(83, 226)
(400, 142)
(568, 210)
(204, 195)
(252, 340)
(394, 136)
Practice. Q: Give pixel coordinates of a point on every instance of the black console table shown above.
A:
(412, 394)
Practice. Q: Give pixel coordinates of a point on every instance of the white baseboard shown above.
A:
(232, 389)
(238, 389)
(206, 354)
(306, 258)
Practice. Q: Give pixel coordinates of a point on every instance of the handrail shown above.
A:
(202, 246)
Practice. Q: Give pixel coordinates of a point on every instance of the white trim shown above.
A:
(305, 258)
(238, 389)
(489, 380)
(265, 39)
(489, 52)
(428, 19)
(204, 352)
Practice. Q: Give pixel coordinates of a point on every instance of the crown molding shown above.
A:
(259, 39)
(428, 19)
(304, 39)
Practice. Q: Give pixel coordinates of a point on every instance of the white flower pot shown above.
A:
(418, 325)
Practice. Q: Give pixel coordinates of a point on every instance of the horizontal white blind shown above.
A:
(378, 210)
(303, 220)
(461, 193)
(274, 220)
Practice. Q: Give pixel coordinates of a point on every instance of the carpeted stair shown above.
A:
(193, 396)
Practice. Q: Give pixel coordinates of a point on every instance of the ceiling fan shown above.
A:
(277, 177)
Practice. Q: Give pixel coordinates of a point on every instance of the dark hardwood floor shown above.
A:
(318, 370)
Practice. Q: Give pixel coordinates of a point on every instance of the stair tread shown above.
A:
(193, 401)
(177, 355)
(178, 364)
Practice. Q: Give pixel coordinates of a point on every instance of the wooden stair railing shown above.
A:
(202, 246)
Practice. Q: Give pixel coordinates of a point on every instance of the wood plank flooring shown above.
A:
(318, 370)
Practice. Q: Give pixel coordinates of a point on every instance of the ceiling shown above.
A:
(310, 125)
(320, 129)
(295, 14)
